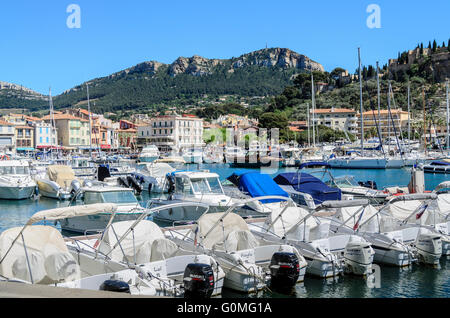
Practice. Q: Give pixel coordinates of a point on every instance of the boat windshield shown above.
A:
(14, 170)
(117, 197)
(345, 181)
(199, 186)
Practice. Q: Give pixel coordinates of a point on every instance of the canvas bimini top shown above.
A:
(306, 183)
(257, 185)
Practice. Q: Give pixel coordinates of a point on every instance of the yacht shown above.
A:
(149, 154)
(357, 162)
(291, 156)
(16, 182)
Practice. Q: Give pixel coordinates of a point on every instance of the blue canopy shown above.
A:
(306, 183)
(314, 164)
(440, 163)
(257, 184)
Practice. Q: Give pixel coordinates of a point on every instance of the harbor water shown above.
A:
(413, 281)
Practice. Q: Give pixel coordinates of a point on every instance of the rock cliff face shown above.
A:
(283, 58)
(275, 57)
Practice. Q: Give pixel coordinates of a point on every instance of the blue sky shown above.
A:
(38, 50)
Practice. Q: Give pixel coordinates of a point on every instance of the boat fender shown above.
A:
(284, 270)
(198, 281)
(117, 286)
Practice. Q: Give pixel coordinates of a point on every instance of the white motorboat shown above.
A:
(233, 153)
(149, 154)
(354, 162)
(291, 156)
(59, 182)
(152, 176)
(142, 246)
(38, 254)
(16, 182)
(250, 263)
(394, 242)
(193, 155)
(327, 254)
(128, 207)
(213, 154)
(349, 186)
(192, 186)
(427, 213)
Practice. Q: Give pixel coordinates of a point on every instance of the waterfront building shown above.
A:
(386, 123)
(44, 135)
(73, 132)
(336, 118)
(7, 136)
(169, 132)
(24, 138)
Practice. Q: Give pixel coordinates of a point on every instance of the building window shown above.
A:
(40, 140)
(47, 139)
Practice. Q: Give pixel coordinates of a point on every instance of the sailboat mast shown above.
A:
(361, 103)
(52, 119)
(313, 110)
(90, 124)
(309, 137)
(448, 122)
(409, 117)
(424, 121)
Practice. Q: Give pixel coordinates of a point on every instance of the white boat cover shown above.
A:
(62, 175)
(72, 211)
(145, 233)
(288, 220)
(50, 260)
(443, 185)
(240, 240)
(369, 211)
(231, 222)
(158, 170)
(400, 210)
(162, 249)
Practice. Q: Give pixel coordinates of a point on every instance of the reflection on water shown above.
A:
(414, 281)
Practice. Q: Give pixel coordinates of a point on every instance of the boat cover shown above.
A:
(306, 183)
(158, 170)
(62, 175)
(231, 222)
(144, 233)
(49, 257)
(257, 185)
(290, 217)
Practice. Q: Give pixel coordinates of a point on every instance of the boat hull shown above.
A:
(16, 193)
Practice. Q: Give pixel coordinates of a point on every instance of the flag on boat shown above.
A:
(355, 227)
(422, 211)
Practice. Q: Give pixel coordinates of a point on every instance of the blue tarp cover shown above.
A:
(440, 163)
(257, 184)
(306, 183)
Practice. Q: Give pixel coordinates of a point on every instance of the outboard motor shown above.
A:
(103, 173)
(284, 270)
(117, 286)
(198, 281)
(358, 258)
(429, 248)
(75, 186)
(134, 184)
(123, 182)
